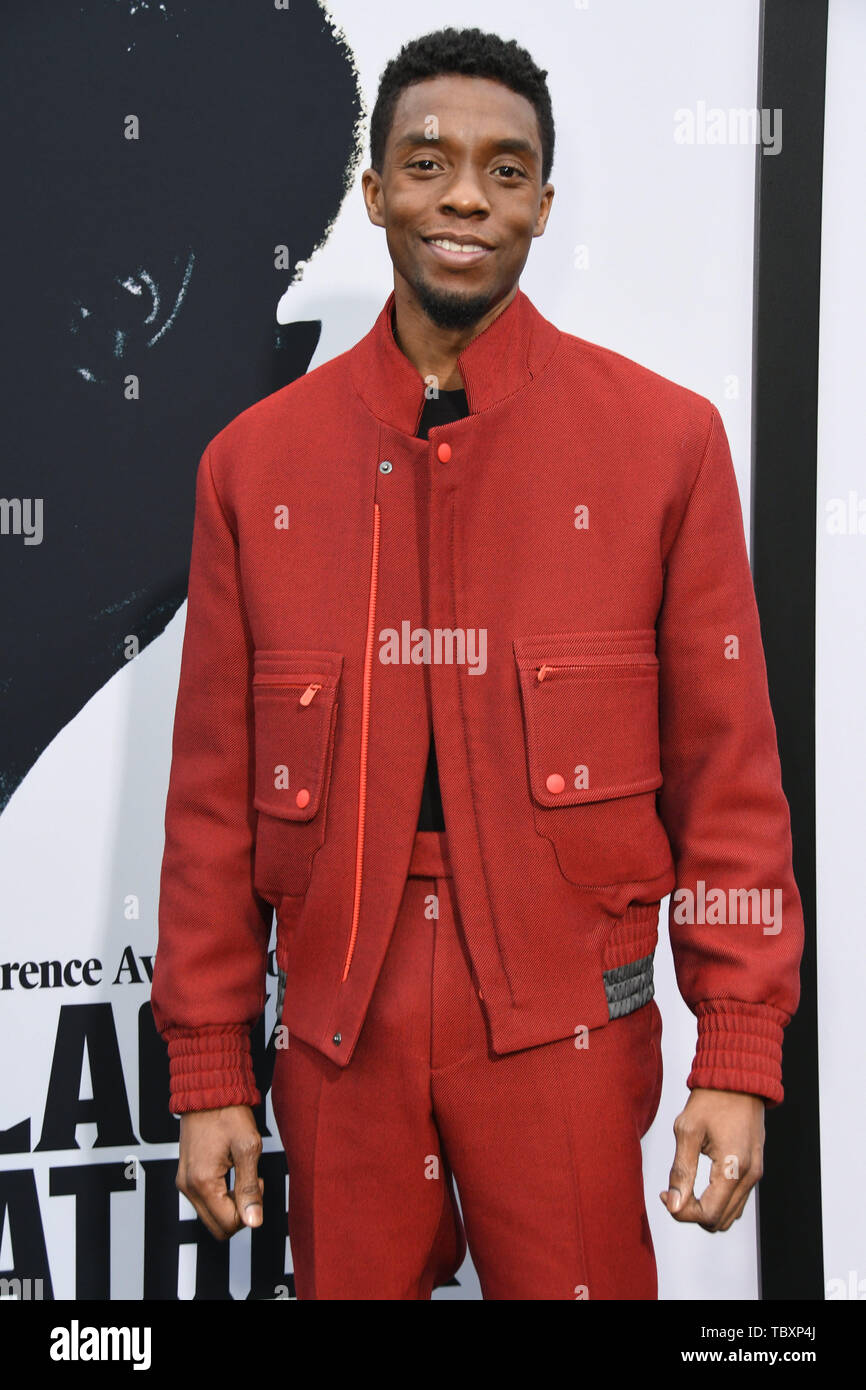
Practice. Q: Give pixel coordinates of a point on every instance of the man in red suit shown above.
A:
(482, 546)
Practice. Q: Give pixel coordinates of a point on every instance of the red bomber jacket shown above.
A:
(561, 577)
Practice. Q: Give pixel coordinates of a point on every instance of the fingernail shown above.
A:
(676, 1199)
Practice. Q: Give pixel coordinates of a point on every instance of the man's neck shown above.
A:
(431, 349)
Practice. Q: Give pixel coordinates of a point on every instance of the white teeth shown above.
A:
(456, 245)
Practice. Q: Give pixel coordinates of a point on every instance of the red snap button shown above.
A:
(555, 782)
(303, 797)
(443, 453)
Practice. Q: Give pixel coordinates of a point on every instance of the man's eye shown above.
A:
(432, 164)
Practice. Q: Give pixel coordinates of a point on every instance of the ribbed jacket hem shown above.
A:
(210, 1067)
(740, 1048)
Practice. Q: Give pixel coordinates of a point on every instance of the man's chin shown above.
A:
(453, 308)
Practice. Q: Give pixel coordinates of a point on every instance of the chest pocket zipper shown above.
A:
(592, 664)
(309, 691)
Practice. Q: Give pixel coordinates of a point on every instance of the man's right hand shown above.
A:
(212, 1142)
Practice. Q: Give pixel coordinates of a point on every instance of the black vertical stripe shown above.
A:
(784, 487)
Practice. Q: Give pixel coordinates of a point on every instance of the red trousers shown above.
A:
(544, 1144)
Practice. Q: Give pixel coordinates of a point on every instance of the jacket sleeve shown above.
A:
(736, 951)
(209, 974)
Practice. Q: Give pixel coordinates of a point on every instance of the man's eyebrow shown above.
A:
(514, 144)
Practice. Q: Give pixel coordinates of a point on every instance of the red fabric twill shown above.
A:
(614, 744)
(543, 1144)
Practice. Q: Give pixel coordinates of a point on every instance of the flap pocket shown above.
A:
(295, 709)
(590, 705)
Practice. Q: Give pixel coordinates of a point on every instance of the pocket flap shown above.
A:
(295, 708)
(590, 707)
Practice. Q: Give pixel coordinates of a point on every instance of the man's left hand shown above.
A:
(729, 1127)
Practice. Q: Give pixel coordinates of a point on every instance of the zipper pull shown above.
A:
(542, 671)
(309, 694)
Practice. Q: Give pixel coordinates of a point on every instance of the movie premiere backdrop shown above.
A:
(185, 233)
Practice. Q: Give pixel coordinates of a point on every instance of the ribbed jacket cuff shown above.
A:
(210, 1067)
(740, 1048)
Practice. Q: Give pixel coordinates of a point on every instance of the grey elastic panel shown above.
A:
(629, 987)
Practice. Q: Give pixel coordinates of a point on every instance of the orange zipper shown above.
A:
(310, 691)
(591, 663)
(365, 734)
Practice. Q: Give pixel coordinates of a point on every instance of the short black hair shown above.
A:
(469, 53)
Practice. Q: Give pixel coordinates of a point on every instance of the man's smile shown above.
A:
(454, 252)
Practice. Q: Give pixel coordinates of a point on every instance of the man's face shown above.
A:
(477, 182)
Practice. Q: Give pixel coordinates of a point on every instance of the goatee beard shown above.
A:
(448, 309)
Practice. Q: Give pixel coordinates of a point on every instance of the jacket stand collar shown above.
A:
(499, 361)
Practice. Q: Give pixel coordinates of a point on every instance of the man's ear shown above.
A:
(371, 186)
(547, 193)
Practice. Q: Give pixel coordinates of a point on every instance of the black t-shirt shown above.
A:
(450, 405)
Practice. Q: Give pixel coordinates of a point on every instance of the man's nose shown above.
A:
(465, 192)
